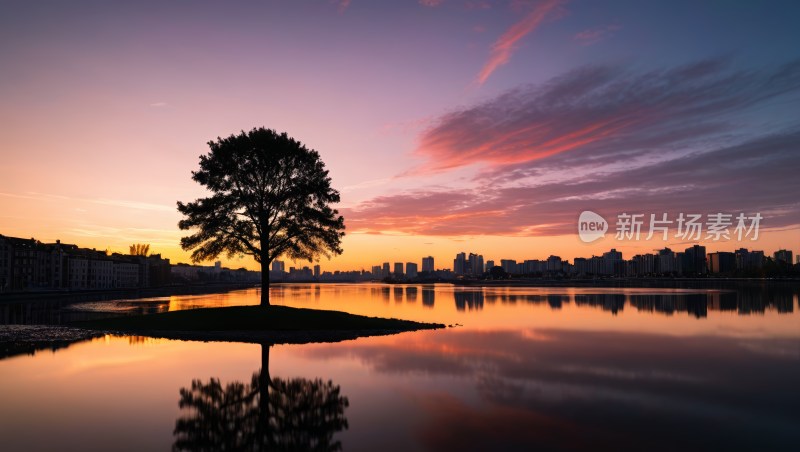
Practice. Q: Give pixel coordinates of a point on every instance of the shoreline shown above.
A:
(29, 335)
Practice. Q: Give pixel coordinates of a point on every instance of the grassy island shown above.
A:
(253, 318)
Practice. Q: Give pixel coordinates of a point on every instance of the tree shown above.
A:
(498, 272)
(270, 198)
(140, 249)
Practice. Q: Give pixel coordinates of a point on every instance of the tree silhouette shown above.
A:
(140, 249)
(270, 198)
(266, 414)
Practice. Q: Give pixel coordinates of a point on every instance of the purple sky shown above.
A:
(478, 126)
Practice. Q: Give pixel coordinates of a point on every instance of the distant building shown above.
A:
(664, 262)
(509, 265)
(126, 274)
(376, 271)
(316, 271)
(398, 270)
(427, 264)
(694, 260)
(553, 263)
(783, 255)
(741, 258)
(489, 265)
(411, 269)
(721, 262)
(385, 271)
(580, 265)
(755, 259)
(459, 263)
(278, 266)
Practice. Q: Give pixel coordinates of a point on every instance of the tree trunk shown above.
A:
(264, 285)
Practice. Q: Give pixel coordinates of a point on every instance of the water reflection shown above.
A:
(269, 413)
(780, 298)
(568, 389)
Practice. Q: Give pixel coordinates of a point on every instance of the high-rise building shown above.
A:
(474, 264)
(580, 265)
(741, 258)
(398, 270)
(721, 262)
(411, 269)
(755, 259)
(679, 260)
(385, 272)
(278, 266)
(460, 263)
(509, 265)
(553, 263)
(489, 265)
(783, 255)
(427, 264)
(376, 272)
(694, 260)
(316, 271)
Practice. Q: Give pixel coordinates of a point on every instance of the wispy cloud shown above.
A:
(159, 104)
(369, 183)
(112, 202)
(721, 180)
(132, 204)
(593, 35)
(698, 137)
(341, 5)
(507, 43)
(605, 112)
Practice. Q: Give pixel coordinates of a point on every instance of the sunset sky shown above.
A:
(447, 126)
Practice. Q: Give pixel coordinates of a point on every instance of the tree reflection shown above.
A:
(264, 414)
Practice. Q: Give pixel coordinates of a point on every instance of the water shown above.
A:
(547, 368)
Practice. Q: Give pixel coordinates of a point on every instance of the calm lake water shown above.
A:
(527, 368)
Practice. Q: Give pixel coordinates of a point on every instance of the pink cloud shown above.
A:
(608, 138)
(692, 183)
(586, 108)
(431, 2)
(476, 5)
(506, 44)
(342, 4)
(480, 28)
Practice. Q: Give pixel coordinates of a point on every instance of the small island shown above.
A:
(255, 324)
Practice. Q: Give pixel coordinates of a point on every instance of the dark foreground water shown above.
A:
(526, 369)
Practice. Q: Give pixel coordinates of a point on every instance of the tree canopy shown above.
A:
(270, 198)
(139, 249)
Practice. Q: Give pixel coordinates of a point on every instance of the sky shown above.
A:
(478, 126)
